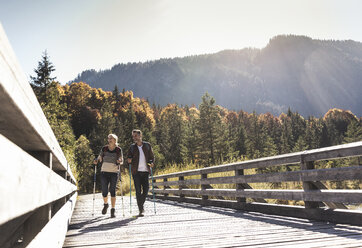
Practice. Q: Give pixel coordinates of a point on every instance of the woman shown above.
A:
(111, 157)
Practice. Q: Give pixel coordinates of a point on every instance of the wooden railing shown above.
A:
(320, 203)
(37, 187)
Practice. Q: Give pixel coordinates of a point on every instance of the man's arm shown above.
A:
(151, 157)
(129, 155)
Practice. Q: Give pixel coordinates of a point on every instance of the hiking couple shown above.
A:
(141, 158)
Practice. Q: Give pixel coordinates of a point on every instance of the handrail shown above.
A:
(37, 187)
(314, 193)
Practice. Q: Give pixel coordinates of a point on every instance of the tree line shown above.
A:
(82, 117)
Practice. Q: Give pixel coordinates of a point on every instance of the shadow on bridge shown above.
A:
(346, 231)
(102, 227)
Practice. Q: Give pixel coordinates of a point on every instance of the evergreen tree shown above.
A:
(354, 132)
(287, 134)
(172, 141)
(210, 130)
(116, 99)
(191, 133)
(42, 79)
(240, 144)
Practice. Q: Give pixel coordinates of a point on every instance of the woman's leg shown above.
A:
(104, 183)
(112, 188)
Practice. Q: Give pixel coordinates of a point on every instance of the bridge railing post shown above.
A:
(239, 186)
(181, 179)
(165, 187)
(204, 186)
(35, 223)
(308, 185)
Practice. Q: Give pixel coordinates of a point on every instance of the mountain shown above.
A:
(309, 76)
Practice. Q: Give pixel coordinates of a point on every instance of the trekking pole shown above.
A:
(120, 179)
(153, 192)
(130, 190)
(94, 185)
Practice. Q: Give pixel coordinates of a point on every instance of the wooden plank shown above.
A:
(334, 152)
(337, 174)
(26, 183)
(345, 196)
(189, 225)
(292, 158)
(53, 234)
(22, 120)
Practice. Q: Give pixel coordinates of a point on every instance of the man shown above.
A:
(141, 158)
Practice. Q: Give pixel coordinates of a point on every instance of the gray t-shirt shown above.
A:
(110, 160)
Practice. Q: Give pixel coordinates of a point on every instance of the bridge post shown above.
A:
(181, 178)
(308, 185)
(40, 217)
(46, 157)
(239, 186)
(165, 187)
(204, 186)
(59, 203)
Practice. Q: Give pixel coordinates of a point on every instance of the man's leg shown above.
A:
(145, 188)
(137, 185)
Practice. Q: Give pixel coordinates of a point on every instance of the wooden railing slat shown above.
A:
(337, 174)
(346, 196)
(26, 183)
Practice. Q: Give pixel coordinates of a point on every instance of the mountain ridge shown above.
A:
(309, 76)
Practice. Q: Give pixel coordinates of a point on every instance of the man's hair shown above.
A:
(137, 131)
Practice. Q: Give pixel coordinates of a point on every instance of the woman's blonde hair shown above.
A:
(112, 135)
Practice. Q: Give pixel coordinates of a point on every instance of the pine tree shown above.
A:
(354, 132)
(191, 133)
(210, 129)
(116, 99)
(240, 144)
(42, 79)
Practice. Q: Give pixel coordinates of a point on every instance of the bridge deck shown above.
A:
(188, 225)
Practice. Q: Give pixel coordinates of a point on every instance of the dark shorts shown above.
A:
(109, 183)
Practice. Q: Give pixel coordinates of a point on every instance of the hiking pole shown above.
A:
(130, 189)
(120, 179)
(153, 192)
(94, 186)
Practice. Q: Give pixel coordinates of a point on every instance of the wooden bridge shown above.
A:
(38, 193)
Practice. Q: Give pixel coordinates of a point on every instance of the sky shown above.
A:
(97, 34)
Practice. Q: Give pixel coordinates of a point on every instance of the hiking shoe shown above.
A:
(105, 207)
(140, 214)
(112, 213)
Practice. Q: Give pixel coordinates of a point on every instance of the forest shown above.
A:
(205, 135)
